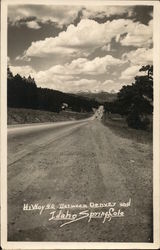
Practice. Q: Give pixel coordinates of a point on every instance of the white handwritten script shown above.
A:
(69, 213)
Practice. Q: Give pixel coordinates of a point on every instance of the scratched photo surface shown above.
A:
(80, 105)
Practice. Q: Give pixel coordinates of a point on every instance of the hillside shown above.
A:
(24, 116)
(23, 93)
(100, 97)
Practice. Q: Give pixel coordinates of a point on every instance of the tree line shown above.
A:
(135, 101)
(23, 92)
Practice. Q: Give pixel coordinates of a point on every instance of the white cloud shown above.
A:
(117, 38)
(33, 25)
(111, 86)
(94, 67)
(23, 58)
(69, 78)
(79, 41)
(141, 56)
(83, 39)
(98, 65)
(106, 11)
(130, 73)
(82, 85)
(65, 83)
(136, 58)
(139, 36)
(61, 15)
(107, 47)
(23, 70)
(75, 41)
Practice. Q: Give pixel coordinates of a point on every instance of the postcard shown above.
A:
(80, 100)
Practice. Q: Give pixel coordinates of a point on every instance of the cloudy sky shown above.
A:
(79, 48)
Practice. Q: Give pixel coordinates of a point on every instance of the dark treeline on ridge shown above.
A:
(23, 92)
(135, 101)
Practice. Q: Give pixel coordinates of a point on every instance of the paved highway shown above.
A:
(77, 163)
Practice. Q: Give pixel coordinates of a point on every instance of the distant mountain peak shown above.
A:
(99, 96)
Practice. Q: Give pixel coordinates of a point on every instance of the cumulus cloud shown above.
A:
(106, 47)
(23, 70)
(130, 73)
(83, 39)
(106, 11)
(111, 86)
(141, 56)
(88, 30)
(33, 25)
(63, 15)
(75, 41)
(65, 83)
(74, 84)
(70, 77)
(140, 36)
(98, 65)
(23, 58)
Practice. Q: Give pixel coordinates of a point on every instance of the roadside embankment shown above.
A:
(22, 116)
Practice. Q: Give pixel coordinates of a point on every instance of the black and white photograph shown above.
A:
(80, 112)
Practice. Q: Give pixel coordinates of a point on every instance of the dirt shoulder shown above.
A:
(119, 127)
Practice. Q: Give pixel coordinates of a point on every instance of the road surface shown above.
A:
(91, 170)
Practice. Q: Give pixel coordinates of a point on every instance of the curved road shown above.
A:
(78, 163)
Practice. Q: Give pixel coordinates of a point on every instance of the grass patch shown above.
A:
(119, 126)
